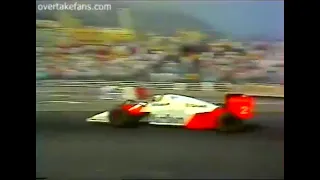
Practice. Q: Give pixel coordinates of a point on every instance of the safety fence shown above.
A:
(99, 95)
(270, 90)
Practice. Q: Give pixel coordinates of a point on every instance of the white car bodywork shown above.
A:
(167, 109)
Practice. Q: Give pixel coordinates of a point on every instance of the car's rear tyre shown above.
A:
(230, 123)
(121, 119)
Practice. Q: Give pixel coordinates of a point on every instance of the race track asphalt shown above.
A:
(69, 148)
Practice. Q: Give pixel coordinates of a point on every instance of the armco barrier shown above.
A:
(85, 95)
(260, 90)
(72, 87)
(152, 85)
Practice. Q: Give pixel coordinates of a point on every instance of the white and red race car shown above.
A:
(179, 110)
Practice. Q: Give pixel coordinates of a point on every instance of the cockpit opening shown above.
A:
(157, 98)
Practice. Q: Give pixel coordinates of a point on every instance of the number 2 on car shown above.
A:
(244, 110)
(242, 106)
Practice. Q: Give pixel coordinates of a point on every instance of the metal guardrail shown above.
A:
(260, 90)
(150, 85)
(86, 95)
(250, 89)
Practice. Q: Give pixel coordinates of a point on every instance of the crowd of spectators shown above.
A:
(219, 61)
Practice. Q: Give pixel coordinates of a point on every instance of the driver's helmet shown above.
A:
(156, 98)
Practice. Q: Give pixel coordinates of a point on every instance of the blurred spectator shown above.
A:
(217, 61)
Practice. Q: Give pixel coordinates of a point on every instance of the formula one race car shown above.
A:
(178, 110)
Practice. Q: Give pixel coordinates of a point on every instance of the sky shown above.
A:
(240, 18)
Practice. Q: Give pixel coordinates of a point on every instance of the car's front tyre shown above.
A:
(122, 119)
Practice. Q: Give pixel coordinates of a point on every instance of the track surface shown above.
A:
(68, 148)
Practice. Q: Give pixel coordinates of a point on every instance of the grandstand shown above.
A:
(110, 61)
(75, 53)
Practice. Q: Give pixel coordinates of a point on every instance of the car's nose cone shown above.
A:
(102, 117)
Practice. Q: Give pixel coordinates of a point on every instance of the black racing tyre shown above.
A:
(121, 119)
(230, 123)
